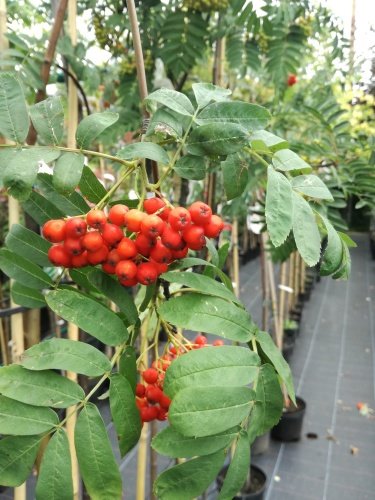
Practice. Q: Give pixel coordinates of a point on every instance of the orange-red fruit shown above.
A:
(113, 258)
(108, 268)
(152, 205)
(127, 249)
(162, 414)
(80, 260)
(165, 402)
(160, 253)
(126, 270)
(98, 257)
(152, 226)
(165, 214)
(179, 218)
(218, 342)
(180, 254)
(172, 239)
(140, 390)
(292, 80)
(129, 283)
(148, 413)
(96, 219)
(200, 340)
(141, 403)
(133, 220)
(153, 394)
(116, 215)
(161, 267)
(59, 256)
(214, 227)
(73, 246)
(92, 241)
(112, 234)
(194, 237)
(75, 228)
(54, 230)
(147, 273)
(144, 244)
(200, 213)
(150, 375)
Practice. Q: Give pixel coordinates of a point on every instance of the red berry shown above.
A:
(116, 215)
(153, 394)
(73, 246)
(113, 258)
(165, 402)
(133, 220)
(194, 237)
(126, 270)
(180, 254)
(172, 239)
(144, 244)
(160, 253)
(98, 257)
(147, 273)
(162, 414)
(75, 228)
(150, 375)
(200, 340)
(54, 230)
(80, 260)
(112, 234)
(127, 249)
(200, 213)
(152, 205)
(152, 226)
(92, 241)
(161, 267)
(292, 80)
(179, 218)
(141, 402)
(107, 268)
(140, 390)
(59, 256)
(96, 219)
(129, 283)
(214, 227)
(165, 214)
(148, 413)
(218, 342)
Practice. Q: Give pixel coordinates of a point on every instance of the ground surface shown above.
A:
(334, 368)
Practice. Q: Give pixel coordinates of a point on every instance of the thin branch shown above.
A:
(78, 85)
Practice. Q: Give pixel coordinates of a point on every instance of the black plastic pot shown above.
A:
(289, 427)
(260, 444)
(258, 480)
(290, 333)
(287, 350)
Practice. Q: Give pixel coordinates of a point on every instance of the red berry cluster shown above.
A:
(137, 246)
(292, 80)
(151, 401)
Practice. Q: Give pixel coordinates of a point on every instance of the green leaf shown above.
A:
(92, 126)
(206, 92)
(17, 457)
(128, 366)
(344, 270)
(88, 314)
(20, 419)
(55, 475)
(171, 443)
(40, 209)
(333, 254)
(224, 366)
(20, 269)
(312, 186)
(27, 297)
(305, 230)
(203, 313)
(347, 239)
(14, 119)
(238, 469)
(268, 406)
(144, 150)
(173, 100)
(261, 140)
(48, 119)
(189, 479)
(90, 186)
(67, 172)
(21, 173)
(287, 161)
(43, 388)
(165, 123)
(65, 354)
(28, 244)
(114, 291)
(205, 411)
(217, 139)
(279, 208)
(191, 167)
(97, 464)
(235, 176)
(202, 284)
(250, 116)
(273, 354)
(80, 276)
(125, 413)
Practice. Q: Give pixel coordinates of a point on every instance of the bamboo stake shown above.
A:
(236, 265)
(303, 276)
(265, 282)
(296, 277)
(271, 277)
(282, 299)
(290, 282)
(3, 345)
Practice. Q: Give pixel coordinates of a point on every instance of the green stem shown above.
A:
(257, 156)
(114, 188)
(177, 153)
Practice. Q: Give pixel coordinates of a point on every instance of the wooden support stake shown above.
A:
(283, 277)
(236, 263)
(265, 282)
(290, 283)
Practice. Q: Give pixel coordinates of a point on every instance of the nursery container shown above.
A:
(257, 484)
(289, 427)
